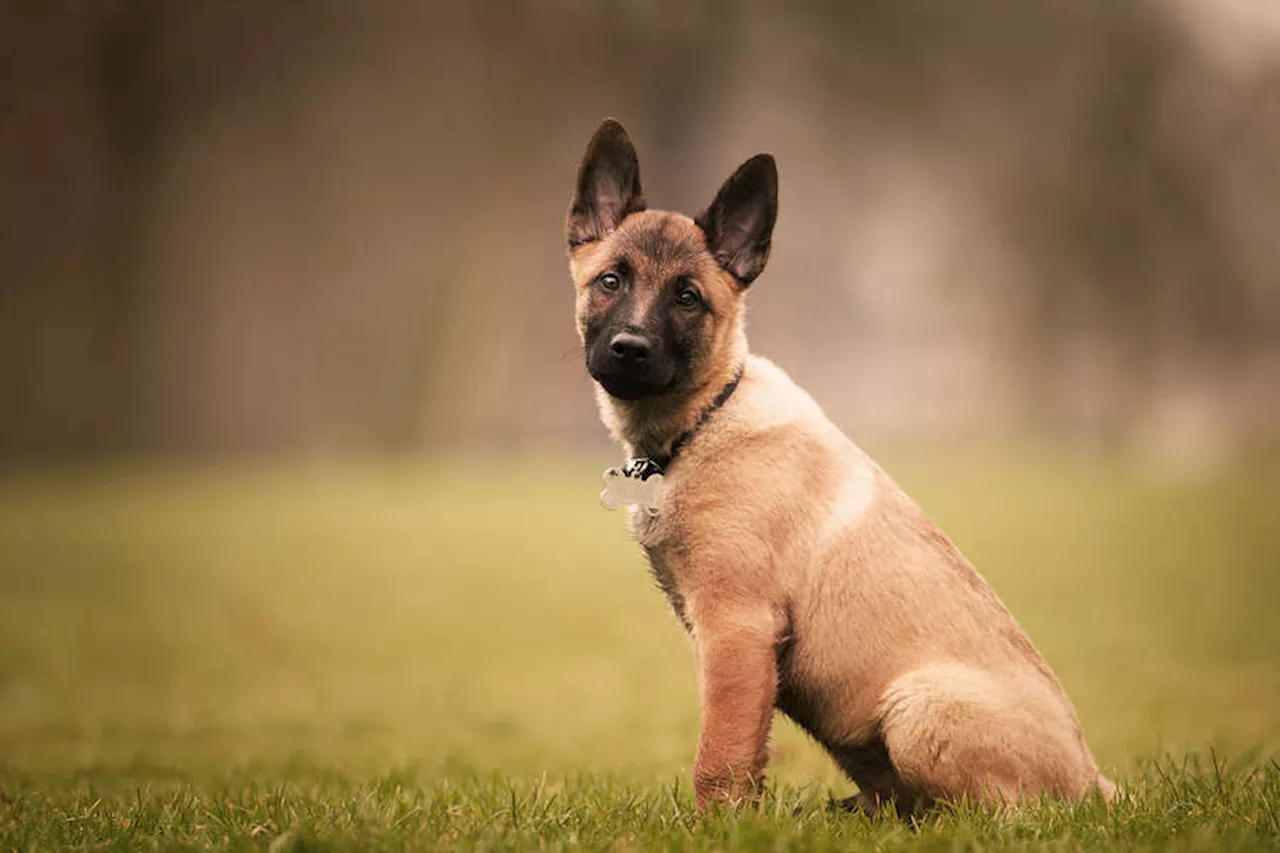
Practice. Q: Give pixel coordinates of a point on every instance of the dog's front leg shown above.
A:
(737, 683)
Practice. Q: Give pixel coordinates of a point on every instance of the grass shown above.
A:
(452, 654)
(1178, 805)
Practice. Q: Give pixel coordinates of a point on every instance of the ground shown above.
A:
(432, 654)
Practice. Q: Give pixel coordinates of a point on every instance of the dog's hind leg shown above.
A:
(953, 732)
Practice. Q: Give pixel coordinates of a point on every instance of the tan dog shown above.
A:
(806, 579)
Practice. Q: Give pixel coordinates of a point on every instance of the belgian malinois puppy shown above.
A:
(806, 579)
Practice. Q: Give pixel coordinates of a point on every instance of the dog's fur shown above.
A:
(807, 580)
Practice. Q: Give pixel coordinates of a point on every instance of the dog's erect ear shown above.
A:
(608, 186)
(739, 223)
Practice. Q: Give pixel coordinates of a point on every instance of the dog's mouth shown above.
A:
(630, 386)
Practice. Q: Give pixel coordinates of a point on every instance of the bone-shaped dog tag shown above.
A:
(623, 488)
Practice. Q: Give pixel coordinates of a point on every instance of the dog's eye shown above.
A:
(688, 298)
(609, 281)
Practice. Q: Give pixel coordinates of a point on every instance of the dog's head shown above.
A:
(659, 295)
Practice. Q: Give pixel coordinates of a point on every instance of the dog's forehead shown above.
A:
(661, 238)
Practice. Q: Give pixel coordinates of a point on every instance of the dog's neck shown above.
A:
(647, 427)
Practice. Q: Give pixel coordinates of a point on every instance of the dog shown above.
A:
(806, 579)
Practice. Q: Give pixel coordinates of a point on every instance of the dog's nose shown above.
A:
(628, 346)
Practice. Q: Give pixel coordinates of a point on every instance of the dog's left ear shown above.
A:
(739, 223)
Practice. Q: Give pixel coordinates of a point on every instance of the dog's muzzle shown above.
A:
(629, 365)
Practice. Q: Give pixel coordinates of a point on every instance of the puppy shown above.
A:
(806, 579)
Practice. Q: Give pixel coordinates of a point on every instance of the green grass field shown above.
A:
(438, 655)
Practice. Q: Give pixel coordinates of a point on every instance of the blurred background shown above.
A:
(282, 229)
(1027, 254)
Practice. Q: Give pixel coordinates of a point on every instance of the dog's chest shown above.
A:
(665, 577)
(658, 536)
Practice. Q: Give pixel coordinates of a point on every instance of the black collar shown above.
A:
(645, 467)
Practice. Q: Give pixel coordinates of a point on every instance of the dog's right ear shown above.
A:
(608, 186)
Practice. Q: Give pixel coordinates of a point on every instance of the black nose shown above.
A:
(628, 346)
